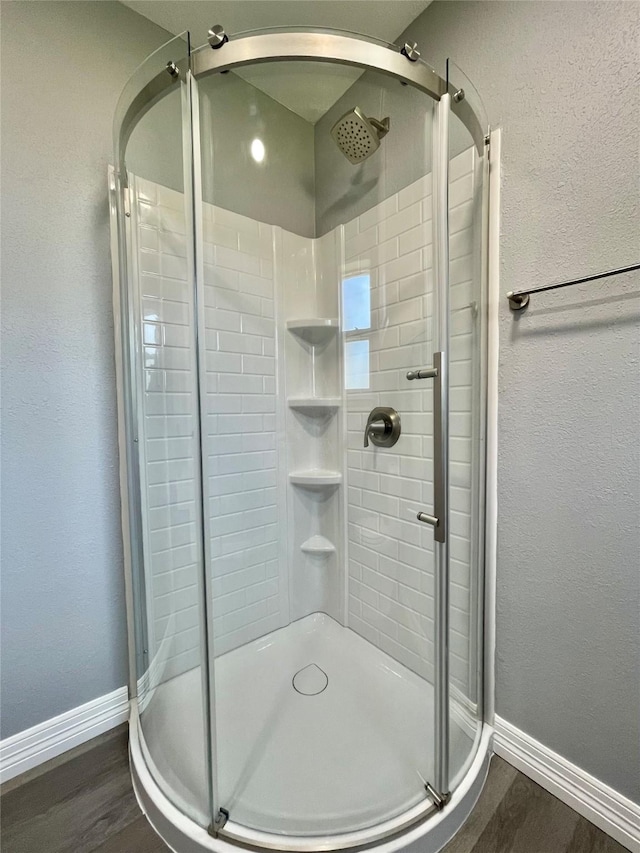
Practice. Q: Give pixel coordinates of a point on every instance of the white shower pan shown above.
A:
(303, 765)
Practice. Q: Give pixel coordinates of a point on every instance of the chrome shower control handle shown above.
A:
(383, 427)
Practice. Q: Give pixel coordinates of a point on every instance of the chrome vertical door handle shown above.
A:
(439, 518)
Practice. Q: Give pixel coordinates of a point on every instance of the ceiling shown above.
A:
(307, 89)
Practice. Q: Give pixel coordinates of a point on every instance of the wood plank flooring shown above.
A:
(83, 803)
(515, 815)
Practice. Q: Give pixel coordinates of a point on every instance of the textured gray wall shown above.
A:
(63, 625)
(561, 80)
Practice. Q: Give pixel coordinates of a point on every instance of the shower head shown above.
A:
(358, 136)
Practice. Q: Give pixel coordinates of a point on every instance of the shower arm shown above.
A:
(381, 125)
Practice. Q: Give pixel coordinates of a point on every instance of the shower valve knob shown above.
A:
(383, 427)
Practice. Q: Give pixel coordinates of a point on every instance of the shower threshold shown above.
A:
(347, 751)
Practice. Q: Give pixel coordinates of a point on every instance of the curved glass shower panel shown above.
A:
(164, 441)
(468, 223)
(318, 299)
(147, 85)
(291, 458)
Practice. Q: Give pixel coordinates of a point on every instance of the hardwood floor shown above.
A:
(83, 803)
(515, 815)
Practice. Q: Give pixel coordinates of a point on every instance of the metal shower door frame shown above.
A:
(321, 46)
(440, 171)
(337, 48)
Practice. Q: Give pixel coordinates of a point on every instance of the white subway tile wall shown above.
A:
(238, 430)
(390, 554)
(169, 492)
(246, 509)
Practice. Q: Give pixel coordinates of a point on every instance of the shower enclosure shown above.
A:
(301, 317)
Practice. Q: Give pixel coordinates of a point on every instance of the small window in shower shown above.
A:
(356, 365)
(356, 302)
(356, 319)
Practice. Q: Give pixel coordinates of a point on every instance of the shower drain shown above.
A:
(310, 680)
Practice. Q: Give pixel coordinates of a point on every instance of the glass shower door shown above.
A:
(318, 299)
(390, 553)
(159, 373)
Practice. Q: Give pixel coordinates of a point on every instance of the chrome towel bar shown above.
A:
(519, 299)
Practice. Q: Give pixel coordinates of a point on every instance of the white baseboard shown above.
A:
(34, 746)
(616, 815)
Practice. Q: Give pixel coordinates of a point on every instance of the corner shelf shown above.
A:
(314, 404)
(315, 477)
(318, 545)
(314, 330)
